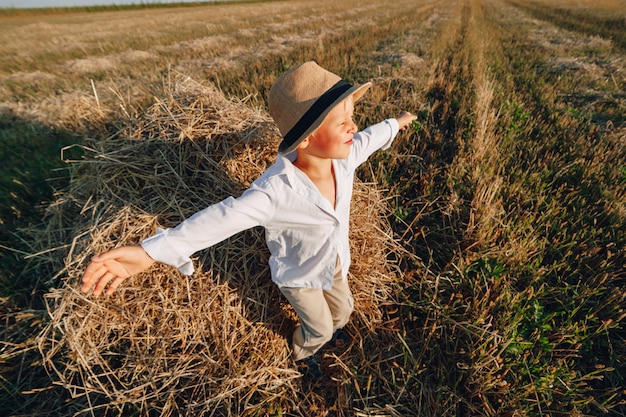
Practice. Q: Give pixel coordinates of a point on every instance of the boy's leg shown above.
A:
(316, 321)
(321, 313)
(339, 300)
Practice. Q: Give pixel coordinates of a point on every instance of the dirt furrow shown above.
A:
(612, 27)
(448, 94)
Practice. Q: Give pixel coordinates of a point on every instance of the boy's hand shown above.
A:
(405, 119)
(113, 267)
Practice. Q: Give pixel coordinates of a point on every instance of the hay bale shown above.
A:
(215, 342)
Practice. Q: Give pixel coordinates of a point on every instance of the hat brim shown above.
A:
(357, 91)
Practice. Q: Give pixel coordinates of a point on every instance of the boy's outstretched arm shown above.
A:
(405, 119)
(113, 267)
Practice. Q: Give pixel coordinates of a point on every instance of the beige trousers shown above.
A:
(320, 312)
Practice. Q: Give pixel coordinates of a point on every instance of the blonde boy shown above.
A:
(302, 201)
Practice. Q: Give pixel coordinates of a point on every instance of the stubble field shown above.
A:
(500, 216)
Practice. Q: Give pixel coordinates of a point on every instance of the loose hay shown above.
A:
(217, 342)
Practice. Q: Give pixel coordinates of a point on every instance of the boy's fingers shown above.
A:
(113, 285)
(102, 283)
(93, 272)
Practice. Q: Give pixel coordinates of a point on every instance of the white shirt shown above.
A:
(304, 233)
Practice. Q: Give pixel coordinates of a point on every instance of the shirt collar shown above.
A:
(300, 183)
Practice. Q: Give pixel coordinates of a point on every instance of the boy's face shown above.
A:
(333, 139)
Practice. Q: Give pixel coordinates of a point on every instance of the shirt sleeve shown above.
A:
(366, 142)
(209, 226)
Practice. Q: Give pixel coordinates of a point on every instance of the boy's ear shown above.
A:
(304, 144)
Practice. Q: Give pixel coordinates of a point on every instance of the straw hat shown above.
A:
(301, 98)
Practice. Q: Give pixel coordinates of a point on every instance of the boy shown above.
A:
(303, 202)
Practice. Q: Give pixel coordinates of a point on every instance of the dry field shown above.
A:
(489, 241)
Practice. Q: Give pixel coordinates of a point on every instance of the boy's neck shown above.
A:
(314, 167)
(320, 172)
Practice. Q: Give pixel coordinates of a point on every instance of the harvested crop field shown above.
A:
(488, 243)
